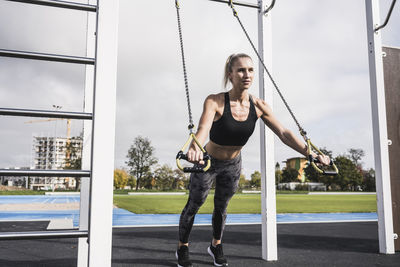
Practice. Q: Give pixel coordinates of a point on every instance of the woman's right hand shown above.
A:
(195, 156)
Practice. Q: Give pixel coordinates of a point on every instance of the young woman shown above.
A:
(229, 119)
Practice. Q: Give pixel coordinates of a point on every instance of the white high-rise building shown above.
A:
(52, 153)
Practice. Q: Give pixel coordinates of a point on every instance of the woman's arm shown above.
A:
(209, 109)
(285, 135)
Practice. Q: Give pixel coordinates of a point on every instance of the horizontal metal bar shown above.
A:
(61, 4)
(237, 3)
(45, 173)
(43, 235)
(45, 114)
(46, 57)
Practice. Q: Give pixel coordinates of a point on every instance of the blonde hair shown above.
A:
(229, 64)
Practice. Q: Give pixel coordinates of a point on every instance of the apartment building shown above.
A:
(54, 153)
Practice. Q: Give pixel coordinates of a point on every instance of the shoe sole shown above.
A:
(212, 255)
(176, 255)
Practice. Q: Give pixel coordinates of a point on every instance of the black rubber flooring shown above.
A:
(322, 244)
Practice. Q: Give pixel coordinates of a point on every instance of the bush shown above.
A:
(301, 187)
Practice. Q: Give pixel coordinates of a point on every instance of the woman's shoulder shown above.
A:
(261, 105)
(216, 98)
(214, 101)
(258, 101)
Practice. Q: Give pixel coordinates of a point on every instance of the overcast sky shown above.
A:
(320, 62)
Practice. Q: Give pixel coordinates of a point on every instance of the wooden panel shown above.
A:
(391, 66)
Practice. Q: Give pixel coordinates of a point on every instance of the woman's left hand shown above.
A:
(324, 159)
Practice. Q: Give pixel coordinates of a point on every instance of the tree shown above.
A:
(180, 180)
(243, 183)
(255, 179)
(356, 155)
(73, 159)
(164, 177)
(140, 159)
(120, 178)
(278, 173)
(277, 166)
(369, 181)
(148, 181)
(131, 181)
(314, 176)
(349, 177)
(278, 176)
(289, 175)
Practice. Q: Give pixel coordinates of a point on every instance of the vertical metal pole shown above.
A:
(103, 135)
(383, 192)
(268, 199)
(83, 246)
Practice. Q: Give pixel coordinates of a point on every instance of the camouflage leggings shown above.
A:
(226, 174)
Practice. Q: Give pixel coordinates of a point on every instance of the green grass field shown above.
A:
(250, 203)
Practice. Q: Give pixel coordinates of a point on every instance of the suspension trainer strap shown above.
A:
(303, 133)
(191, 125)
(192, 136)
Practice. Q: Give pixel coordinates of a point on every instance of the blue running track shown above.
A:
(125, 218)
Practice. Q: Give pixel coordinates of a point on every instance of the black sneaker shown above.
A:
(218, 255)
(182, 255)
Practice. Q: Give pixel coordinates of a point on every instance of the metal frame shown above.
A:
(42, 235)
(267, 166)
(103, 134)
(60, 4)
(46, 57)
(44, 173)
(83, 244)
(102, 149)
(237, 3)
(100, 91)
(45, 114)
(381, 151)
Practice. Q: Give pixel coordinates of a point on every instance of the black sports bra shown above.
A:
(227, 131)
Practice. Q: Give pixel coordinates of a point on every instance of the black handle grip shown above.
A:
(325, 172)
(197, 168)
(316, 160)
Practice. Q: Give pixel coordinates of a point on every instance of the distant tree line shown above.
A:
(144, 172)
(352, 176)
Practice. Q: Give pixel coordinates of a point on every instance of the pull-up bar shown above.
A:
(238, 3)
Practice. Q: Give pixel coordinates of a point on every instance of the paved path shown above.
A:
(311, 245)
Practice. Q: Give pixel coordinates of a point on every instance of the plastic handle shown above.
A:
(197, 167)
(313, 161)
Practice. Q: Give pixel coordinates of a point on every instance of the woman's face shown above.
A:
(242, 73)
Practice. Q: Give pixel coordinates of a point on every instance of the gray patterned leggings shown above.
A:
(226, 174)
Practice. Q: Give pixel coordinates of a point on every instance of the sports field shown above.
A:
(250, 203)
